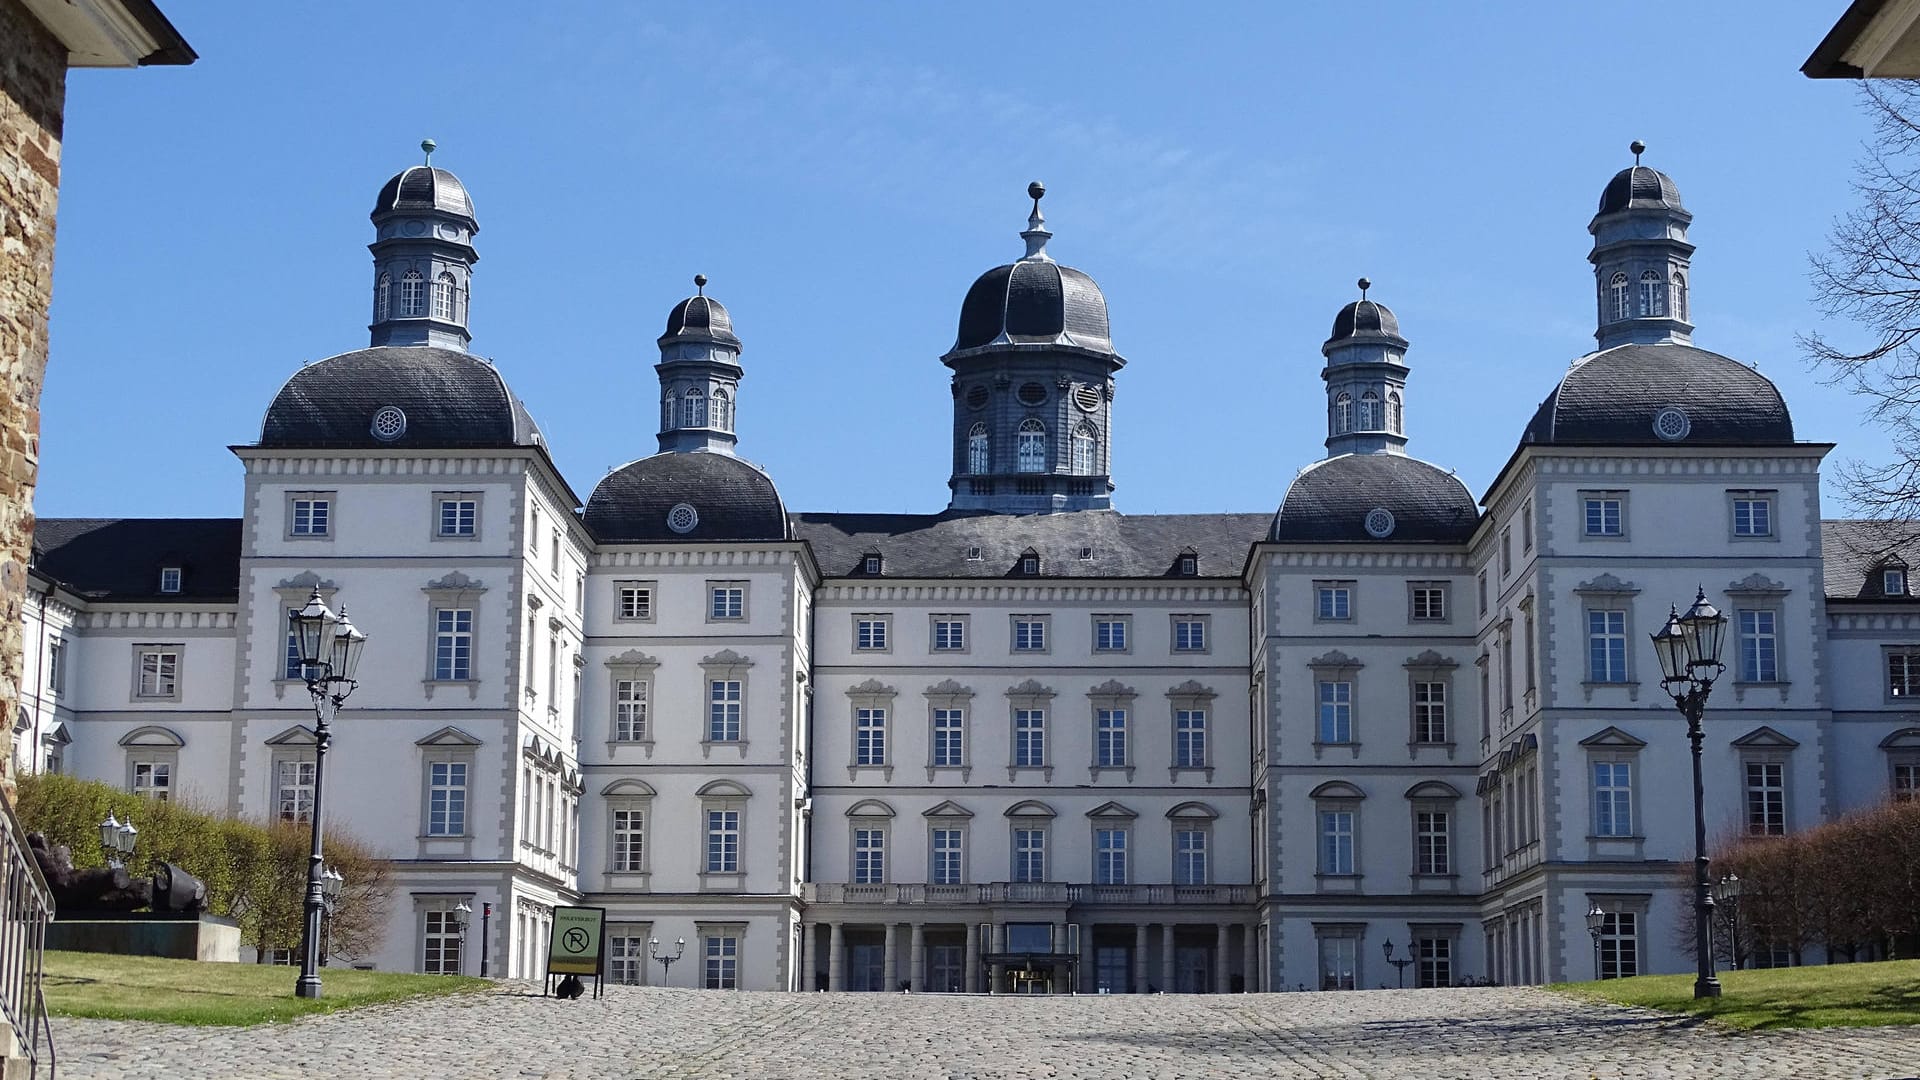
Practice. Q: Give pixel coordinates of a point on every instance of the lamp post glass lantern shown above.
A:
(1726, 894)
(1596, 925)
(666, 962)
(117, 839)
(330, 648)
(1689, 650)
(1399, 964)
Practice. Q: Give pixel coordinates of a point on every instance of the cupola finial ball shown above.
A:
(429, 146)
(1638, 148)
(700, 283)
(1035, 190)
(1364, 286)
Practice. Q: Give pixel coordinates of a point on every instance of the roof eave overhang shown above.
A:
(1873, 39)
(1815, 449)
(1003, 346)
(112, 33)
(536, 451)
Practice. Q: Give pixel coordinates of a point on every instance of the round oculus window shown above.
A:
(1087, 397)
(1032, 393)
(1379, 523)
(977, 398)
(414, 228)
(682, 518)
(389, 423)
(1671, 424)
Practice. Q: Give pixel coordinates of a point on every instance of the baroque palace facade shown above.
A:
(1029, 742)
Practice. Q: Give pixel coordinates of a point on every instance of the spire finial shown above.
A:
(1364, 286)
(1638, 148)
(428, 145)
(700, 283)
(1037, 235)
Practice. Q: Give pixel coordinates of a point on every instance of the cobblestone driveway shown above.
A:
(636, 1032)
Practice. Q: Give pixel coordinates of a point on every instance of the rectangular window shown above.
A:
(1429, 603)
(1336, 712)
(1752, 515)
(723, 710)
(1029, 855)
(626, 959)
(1602, 514)
(1029, 635)
(1029, 738)
(870, 633)
(293, 790)
(1482, 581)
(1432, 853)
(869, 856)
(1893, 582)
(1612, 798)
(1109, 856)
(949, 634)
(446, 798)
(1506, 551)
(1336, 841)
(1620, 945)
(1339, 963)
(453, 644)
(553, 556)
(1430, 712)
(1190, 857)
(459, 516)
(1759, 660)
(726, 601)
(1110, 738)
(1189, 634)
(57, 665)
(949, 738)
(945, 869)
(869, 736)
(1190, 738)
(1903, 673)
(1906, 781)
(629, 840)
(722, 970)
(169, 579)
(440, 944)
(159, 673)
(1607, 646)
(630, 710)
(1109, 634)
(1436, 962)
(723, 841)
(1526, 525)
(1766, 798)
(154, 779)
(1333, 601)
(310, 516)
(636, 601)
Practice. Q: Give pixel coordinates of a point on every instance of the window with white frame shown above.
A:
(1906, 781)
(1427, 601)
(158, 673)
(1432, 840)
(1029, 633)
(629, 840)
(870, 632)
(1394, 412)
(636, 601)
(1340, 960)
(726, 600)
(413, 295)
(1336, 841)
(1619, 945)
(170, 579)
(1759, 645)
(1368, 418)
(1430, 712)
(1653, 294)
(1109, 633)
(1029, 853)
(453, 644)
(723, 841)
(1189, 738)
(441, 939)
(869, 855)
(693, 408)
(1029, 738)
(1190, 633)
(870, 736)
(948, 846)
(630, 704)
(1766, 790)
(979, 461)
(446, 798)
(1506, 551)
(57, 665)
(1613, 798)
(1336, 711)
(1342, 413)
(1903, 671)
(949, 738)
(721, 952)
(443, 289)
(723, 710)
(1433, 962)
(1893, 581)
(1189, 856)
(1752, 514)
(1110, 738)
(1110, 856)
(1482, 583)
(1604, 513)
(1030, 447)
(153, 779)
(293, 789)
(383, 298)
(949, 633)
(1606, 646)
(457, 517)
(310, 515)
(1333, 601)
(1621, 292)
(626, 959)
(1085, 449)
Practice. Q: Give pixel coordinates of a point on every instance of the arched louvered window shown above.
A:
(1030, 447)
(693, 409)
(383, 298)
(1653, 295)
(413, 295)
(978, 459)
(1085, 449)
(1369, 412)
(722, 410)
(1394, 419)
(1342, 414)
(443, 297)
(1622, 297)
(1680, 297)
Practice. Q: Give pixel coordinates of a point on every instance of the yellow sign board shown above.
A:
(575, 948)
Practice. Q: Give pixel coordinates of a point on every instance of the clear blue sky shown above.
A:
(843, 172)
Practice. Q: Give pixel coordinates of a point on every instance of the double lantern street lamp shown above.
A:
(117, 839)
(330, 648)
(1399, 964)
(1726, 894)
(666, 961)
(1689, 651)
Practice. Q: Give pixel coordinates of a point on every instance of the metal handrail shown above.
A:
(26, 907)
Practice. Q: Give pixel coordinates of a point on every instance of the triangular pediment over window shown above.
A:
(450, 736)
(948, 809)
(1764, 736)
(1612, 736)
(1111, 810)
(297, 735)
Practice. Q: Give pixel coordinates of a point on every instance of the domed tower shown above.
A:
(422, 258)
(1641, 259)
(1366, 376)
(1033, 369)
(699, 375)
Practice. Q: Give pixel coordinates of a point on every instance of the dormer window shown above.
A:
(1086, 554)
(870, 565)
(1030, 565)
(1653, 295)
(1893, 581)
(169, 579)
(973, 554)
(1189, 565)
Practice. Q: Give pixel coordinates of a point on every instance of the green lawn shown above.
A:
(184, 992)
(1835, 995)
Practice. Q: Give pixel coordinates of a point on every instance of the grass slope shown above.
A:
(1834, 995)
(111, 987)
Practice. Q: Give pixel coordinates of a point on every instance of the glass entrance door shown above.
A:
(866, 967)
(1193, 969)
(1113, 969)
(946, 969)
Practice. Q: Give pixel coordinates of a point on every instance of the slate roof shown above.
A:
(733, 500)
(425, 188)
(1638, 188)
(1329, 501)
(1365, 319)
(699, 318)
(1034, 301)
(1854, 551)
(1610, 399)
(942, 545)
(120, 558)
(451, 399)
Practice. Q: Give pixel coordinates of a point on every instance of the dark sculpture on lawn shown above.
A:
(110, 890)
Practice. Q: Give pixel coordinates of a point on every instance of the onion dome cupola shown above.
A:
(423, 258)
(1641, 259)
(1033, 367)
(699, 372)
(1366, 376)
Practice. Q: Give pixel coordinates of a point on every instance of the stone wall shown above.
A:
(33, 71)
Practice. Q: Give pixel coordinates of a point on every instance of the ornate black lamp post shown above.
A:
(117, 839)
(330, 648)
(1689, 651)
(666, 962)
(1726, 894)
(1399, 965)
(486, 918)
(462, 918)
(331, 881)
(1596, 925)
